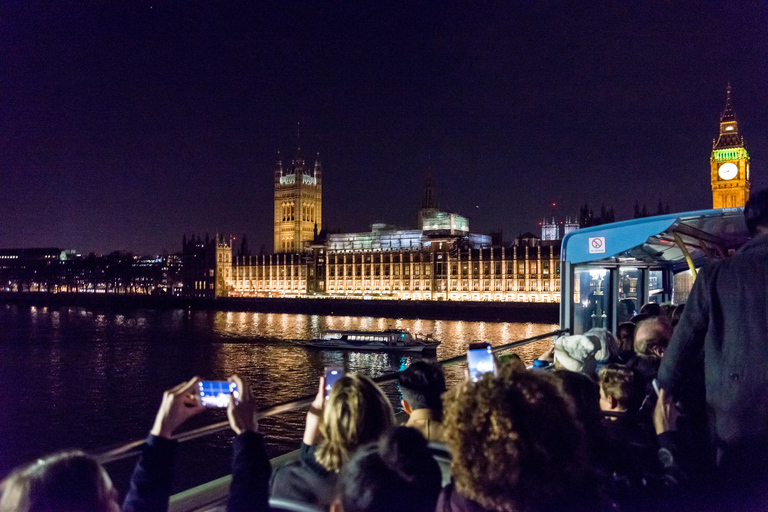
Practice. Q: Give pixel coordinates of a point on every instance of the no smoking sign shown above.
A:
(597, 245)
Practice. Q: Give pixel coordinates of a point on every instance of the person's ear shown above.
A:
(406, 406)
(336, 506)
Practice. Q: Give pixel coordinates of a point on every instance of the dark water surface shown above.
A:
(72, 377)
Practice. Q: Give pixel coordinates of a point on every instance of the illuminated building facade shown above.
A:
(408, 265)
(550, 230)
(298, 204)
(729, 162)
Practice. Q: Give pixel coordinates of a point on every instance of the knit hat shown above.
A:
(576, 353)
(607, 346)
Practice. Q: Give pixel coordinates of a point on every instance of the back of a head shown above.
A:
(397, 474)
(622, 384)
(357, 412)
(756, 212)
(652, 336)
(515, 441)
(422, 385)
(651, 309)
(63, 482)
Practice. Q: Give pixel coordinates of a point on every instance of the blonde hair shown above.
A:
(356, 413)
(66, 482)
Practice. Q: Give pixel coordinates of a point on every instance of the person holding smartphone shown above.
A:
(356, 413)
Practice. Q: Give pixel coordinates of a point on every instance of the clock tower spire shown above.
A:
(729, 162)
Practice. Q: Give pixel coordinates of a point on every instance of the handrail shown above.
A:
(133, 448)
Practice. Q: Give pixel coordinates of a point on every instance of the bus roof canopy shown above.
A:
(650, 241)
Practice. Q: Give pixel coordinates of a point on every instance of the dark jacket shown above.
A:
(305, 480)
(152, 477)
(726, 316)
(249, 491)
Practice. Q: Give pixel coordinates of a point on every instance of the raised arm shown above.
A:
(152, 477)
(249, 491)
(315, 416)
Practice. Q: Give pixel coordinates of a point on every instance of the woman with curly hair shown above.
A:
(516, 446)
(357, 412)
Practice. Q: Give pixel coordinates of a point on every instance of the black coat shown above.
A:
(305, 480)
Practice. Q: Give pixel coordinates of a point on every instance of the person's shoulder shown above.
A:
(296, 480)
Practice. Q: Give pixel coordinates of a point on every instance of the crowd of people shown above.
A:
(670, 412)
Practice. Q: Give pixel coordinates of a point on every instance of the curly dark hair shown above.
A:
(516, 443)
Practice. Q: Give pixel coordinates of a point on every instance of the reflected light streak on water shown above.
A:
(71, 377)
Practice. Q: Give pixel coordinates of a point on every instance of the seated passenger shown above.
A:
(76, 482)
(356, 413)
(397, 474)
(422, 385)
(516, 445)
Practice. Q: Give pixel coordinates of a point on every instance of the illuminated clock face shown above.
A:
(728, 171)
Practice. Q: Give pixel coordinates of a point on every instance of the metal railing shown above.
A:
(133, 448)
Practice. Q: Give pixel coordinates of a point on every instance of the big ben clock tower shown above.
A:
(729, 162)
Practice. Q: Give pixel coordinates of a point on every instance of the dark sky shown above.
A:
(126, 125)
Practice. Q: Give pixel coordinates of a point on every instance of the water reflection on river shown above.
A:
(92, 379)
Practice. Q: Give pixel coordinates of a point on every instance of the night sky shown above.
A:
(126, 125)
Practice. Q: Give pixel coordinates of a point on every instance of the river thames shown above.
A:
(80, 378)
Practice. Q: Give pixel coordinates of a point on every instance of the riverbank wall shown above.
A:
(433, 310)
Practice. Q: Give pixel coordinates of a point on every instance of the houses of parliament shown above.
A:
(439, 260)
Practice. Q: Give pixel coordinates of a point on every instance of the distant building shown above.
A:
(298, 204)
(441, 260)
(206, 266)
(387, 263)
(729, 164)
(550, 230)
(570, 225)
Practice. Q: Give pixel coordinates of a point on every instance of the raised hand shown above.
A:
(178, 405)
(315, 416)
(665, 413)
(242, 412)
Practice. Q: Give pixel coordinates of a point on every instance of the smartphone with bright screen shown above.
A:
(332, 374)
(215, 393)
(479, 360)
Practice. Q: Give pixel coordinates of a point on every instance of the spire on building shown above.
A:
(318, 166)
(298, 138)
(729, 128)
(428, 199)
(728, 114)
(429, 203)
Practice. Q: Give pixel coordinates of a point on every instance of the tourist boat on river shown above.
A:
(390, 340)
